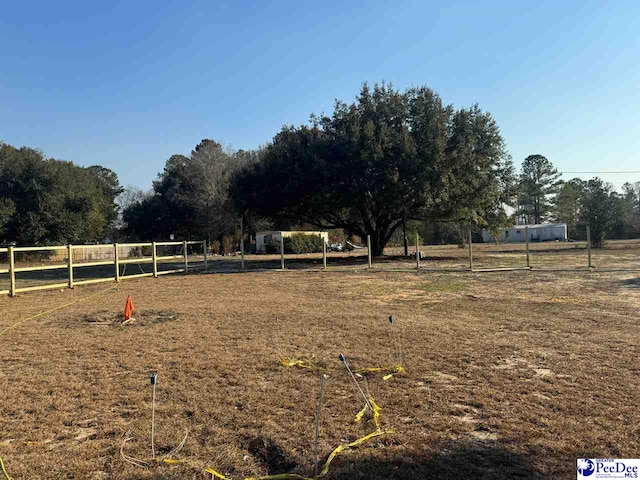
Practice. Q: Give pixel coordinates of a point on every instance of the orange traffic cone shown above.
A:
(128, 309)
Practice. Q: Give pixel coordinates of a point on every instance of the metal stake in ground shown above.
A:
(344, 362)
(396, 338)
(317, 425)
(154, 381)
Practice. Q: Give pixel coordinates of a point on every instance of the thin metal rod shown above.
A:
(369, 250)
(417, 252)
(153, 423)
(344, 361)
(317, 424)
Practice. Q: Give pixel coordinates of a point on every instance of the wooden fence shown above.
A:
(121, 255)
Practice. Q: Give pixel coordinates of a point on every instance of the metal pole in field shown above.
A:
(241, 243)
(526, 234)
(70, 264)
(204, 249)
(589, 246)
(116, 261)
(470, 252)
(186, 257)
(317, 426)
(154, 381)
(154, 257)
(369, 250)
(12, 273)
(281, 251)
(417, 252)
(324, 254)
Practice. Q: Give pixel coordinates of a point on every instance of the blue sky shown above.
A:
(127, 84)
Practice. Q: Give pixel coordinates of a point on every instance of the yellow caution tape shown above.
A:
(4, 470)
(375, 413)
(301, 364)
(281, 476)
(342, 448)
(391, 369)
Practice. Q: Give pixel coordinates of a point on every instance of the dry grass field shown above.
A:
(508, 374)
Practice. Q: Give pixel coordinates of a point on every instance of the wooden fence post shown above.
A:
(526, 234)
(116, 262)
(417, 251)
(369, 250)
(241, 243)
(186, 257)
(70, 264)
(281, 251)
(324, 253)
(589, 246)
(470, 252)
(154, 257)
(12, 273)
(204, 249)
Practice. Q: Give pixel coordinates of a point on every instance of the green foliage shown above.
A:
(302, 243)
(190, 198)
(385, 156)
(52, 201)
(538, 183)
(598, 210)
(566, 205)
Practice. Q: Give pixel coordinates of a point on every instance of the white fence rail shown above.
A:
(121, 254)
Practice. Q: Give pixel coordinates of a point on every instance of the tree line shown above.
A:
(386, 163)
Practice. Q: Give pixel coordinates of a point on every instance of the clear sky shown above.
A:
(126, 84)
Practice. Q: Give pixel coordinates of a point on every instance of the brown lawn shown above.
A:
(508, 375)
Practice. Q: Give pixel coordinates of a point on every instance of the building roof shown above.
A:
(538, 225)
(307, 232)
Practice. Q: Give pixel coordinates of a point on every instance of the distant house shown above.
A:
(265, 238)
(545, 232)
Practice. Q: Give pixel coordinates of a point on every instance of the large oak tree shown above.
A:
(387, 156)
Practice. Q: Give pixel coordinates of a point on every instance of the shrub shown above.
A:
(302, 243)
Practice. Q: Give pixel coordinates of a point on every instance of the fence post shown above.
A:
(526, 234)
(281, 251)
(116, 262)
(12, 273)
(417, 251)
(369, 250)
(70, 264)
(324, 254)
(241, 243)
(204, 249)
(589, 246)
(186, 257)
(470, 252)
(154, 256)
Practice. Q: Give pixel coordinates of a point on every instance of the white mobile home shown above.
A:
(545, 232)
(265, 238)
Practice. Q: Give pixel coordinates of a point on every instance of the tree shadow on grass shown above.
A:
(631, 283)
(466, 460)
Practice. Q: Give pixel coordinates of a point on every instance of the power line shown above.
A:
(607, 172)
